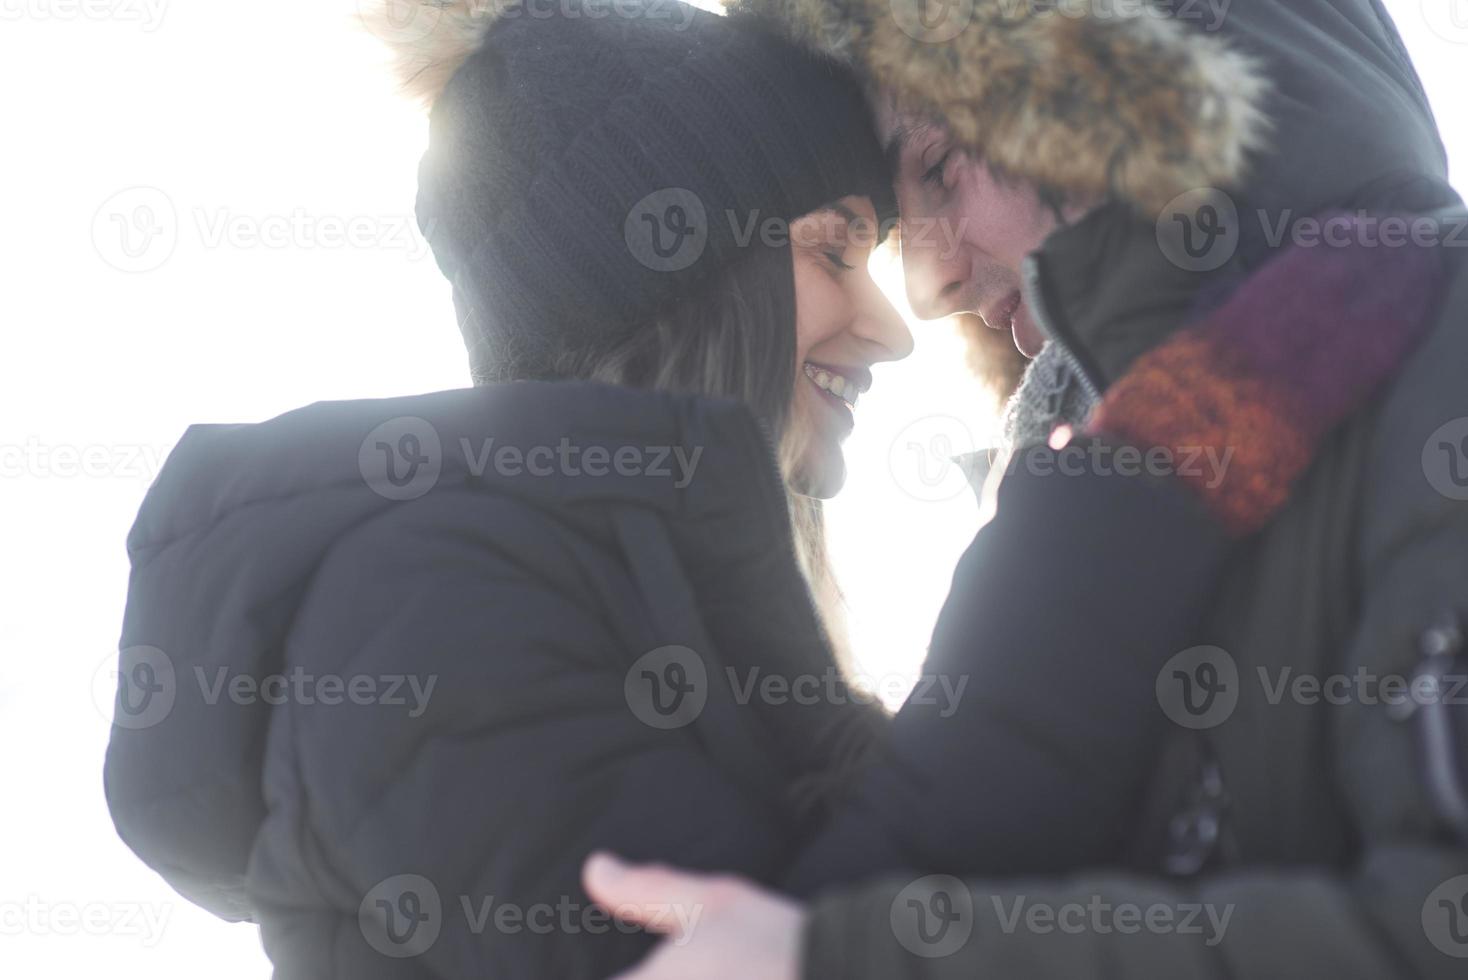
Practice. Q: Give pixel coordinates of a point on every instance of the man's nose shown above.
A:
(934, 274)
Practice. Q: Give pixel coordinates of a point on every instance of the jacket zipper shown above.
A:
(1048, 322)
(1440, 647)
(777, 494)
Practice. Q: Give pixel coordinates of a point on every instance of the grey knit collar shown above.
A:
(1050, 394)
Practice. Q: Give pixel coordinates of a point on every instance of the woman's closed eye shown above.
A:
(836, 237)
(834, 255)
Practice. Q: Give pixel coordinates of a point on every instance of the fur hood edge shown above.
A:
(1130, 104)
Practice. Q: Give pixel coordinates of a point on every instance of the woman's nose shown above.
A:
(879, 322)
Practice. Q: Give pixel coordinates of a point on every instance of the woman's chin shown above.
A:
(814, 444)
(821, 477)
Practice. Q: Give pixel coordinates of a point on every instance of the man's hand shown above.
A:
(718, 926)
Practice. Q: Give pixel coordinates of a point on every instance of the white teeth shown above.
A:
(842, 387)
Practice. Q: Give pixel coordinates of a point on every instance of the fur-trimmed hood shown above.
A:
(1141, 100)
(1088, 98)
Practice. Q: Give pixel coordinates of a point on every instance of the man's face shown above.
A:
(964, 232)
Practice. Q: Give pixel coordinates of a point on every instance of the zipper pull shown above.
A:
(1443, 639)
(1440, 733)
(1438, 645)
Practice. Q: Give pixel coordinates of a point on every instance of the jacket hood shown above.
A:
(1351, 133)
(1089, 99)
(1143, 101)
(228, 539)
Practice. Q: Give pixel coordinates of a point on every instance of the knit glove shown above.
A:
(1266, 377)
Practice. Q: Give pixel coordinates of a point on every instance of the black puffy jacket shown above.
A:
(391, 669)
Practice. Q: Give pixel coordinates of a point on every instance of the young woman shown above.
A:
(392, 669)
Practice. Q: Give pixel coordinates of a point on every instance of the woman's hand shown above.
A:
(717, 925)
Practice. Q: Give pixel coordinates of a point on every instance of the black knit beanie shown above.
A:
(593, 160)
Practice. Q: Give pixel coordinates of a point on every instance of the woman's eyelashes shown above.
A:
(837, 238)
(835, 257)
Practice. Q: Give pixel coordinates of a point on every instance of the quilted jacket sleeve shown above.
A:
(1021, 719)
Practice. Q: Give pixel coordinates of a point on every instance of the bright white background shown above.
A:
(252, 135)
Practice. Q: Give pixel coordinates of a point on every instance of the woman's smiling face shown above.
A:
(843, 325)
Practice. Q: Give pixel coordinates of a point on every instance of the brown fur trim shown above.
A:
(430, 39)
(1129, 104)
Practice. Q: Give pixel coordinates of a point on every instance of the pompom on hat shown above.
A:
(590, 161)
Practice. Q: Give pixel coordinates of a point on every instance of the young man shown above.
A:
(1307, 816)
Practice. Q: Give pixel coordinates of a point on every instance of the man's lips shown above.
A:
(999, 315)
